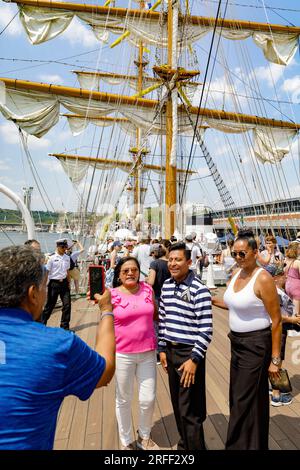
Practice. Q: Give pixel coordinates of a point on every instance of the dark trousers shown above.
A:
(189, 403)
(248, 427)
(55, 289)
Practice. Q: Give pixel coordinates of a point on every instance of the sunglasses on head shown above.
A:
(241, 254)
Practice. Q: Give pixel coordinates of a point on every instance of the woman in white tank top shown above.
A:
(252, 301)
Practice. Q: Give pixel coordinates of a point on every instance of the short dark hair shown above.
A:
(30, 242)
(20, 268)
(166, 243)
(158, 250)
(182, 247)
(116, 280)
(248, 235)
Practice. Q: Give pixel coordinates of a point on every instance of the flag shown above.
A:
(146, 5)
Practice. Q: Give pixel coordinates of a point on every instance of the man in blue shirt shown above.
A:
(39, 366)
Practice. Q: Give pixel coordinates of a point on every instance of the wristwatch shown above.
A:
(195, 359)
(276, 360)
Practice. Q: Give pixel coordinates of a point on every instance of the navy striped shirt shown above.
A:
(185, 314)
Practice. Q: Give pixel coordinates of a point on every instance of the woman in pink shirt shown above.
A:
(134, 310)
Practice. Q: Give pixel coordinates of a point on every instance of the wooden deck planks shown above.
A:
(92, 425)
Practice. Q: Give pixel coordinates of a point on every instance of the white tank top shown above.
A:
(246, 311)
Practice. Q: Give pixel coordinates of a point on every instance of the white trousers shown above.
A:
(143, 367)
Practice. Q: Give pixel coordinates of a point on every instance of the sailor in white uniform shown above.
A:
(58, 266)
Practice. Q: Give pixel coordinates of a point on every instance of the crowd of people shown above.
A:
(154, 304)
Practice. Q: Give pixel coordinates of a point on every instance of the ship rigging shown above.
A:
(36, 107)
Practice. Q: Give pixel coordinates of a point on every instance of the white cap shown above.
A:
(62, 241)
(70, 243)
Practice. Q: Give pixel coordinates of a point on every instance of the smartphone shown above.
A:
(96, 280)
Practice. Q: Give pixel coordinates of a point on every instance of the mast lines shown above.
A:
(170, 177)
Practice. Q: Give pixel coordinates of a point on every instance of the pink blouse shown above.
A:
(133, 318)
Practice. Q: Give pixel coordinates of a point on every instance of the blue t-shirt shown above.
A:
(39, 366)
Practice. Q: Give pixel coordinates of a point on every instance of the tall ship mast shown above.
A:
(171, 28)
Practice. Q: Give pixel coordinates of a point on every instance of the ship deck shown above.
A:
(91, 425)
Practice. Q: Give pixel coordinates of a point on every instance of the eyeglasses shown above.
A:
(241, 254)
(127, 270)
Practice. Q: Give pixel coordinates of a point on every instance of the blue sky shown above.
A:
(53, 61)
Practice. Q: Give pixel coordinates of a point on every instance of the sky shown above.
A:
(232, 67)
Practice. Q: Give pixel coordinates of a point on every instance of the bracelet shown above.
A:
(106, 314)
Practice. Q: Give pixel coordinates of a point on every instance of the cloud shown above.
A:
(294, 190)
(63, 136)
(76, 33)
(294, 150)
(292, 87)
(4, 166)
(52, 165)
(270, 74)
(7, 14)
(51, 78)
(202, 172)
(10, 135)
(223, 93)
(6, 180)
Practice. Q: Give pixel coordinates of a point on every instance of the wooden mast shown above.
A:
(137, 196)
(170, 176)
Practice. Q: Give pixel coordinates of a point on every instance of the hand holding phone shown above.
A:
(104, 301)
(96, 280)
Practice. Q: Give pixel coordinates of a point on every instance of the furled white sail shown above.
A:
(272, 145)
(36, 113)
(92, 82)
(75, 170)
(42, 24)
(269, 144)
(79, 124)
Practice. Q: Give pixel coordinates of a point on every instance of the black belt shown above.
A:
(58, 280)
(251, 333)
(174, 344)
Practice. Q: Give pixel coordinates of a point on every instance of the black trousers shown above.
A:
(248, 427)
(55, 289)
(189, 403)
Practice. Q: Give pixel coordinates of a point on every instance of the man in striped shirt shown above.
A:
(185, 331)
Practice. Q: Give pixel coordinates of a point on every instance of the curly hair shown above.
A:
(20, 268)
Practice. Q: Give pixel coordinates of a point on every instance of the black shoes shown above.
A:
(67, 328)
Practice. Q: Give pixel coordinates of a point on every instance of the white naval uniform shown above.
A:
(58, 266)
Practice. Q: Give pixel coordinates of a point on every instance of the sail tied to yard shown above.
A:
(36, 107)
(43, 24)
(37, 112)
